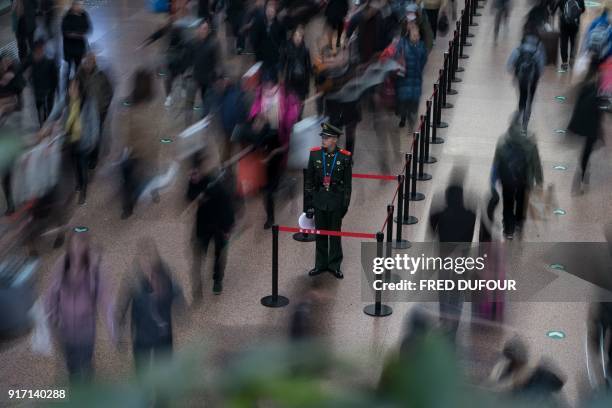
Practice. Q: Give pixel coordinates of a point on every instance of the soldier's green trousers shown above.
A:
(328, 249)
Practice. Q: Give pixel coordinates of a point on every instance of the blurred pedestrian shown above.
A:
(47, 9)
(413, 56)
(215, 219)
(267, 36)
(232, 111)
(570, 12)
(335, 13)
(24, 25)
(502, 12)
(11, 86)
(235, 12)
(296, 67)
(278, 109)
(517, 166)
(454, 224)
(140, 163)
(76, 25)
(587, 121)
(432, 9)
(44, 77)
(97, 85)
(204, 56)
(150, 293)
(76, 294)
(527, 63)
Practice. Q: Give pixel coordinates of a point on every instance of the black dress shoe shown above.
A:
(315, 271)
(337, 273)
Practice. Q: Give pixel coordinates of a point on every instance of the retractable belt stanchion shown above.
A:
(438, 100)
(465, 21)
(469, 5)
(433, 112)
(400, 243)
(462, 55)
(407, 218)
(475, 7)
(456, 67)
(378, 309)
(428, 132)
(448, 69)
(302, 236)
(422, 176)
(274, 300)
(446, 84)
(415, 195)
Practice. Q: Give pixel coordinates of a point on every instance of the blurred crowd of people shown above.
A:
(256, 113)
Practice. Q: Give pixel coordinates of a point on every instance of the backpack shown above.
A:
(513, 166)
(598, 41)
(571, 12)
(526, 65)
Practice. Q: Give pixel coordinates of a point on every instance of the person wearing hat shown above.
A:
(327, 194)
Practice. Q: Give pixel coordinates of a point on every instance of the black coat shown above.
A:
(455, 223)
(204, 56)
(267, 39)
(44, 77)
(587, 116)
(28, 19)
(215, 209)
(79, 24)
(336, 11)
(297, 68)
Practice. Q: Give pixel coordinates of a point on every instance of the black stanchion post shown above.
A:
(466, 23)
(399, 242)
(429, 131)
(274, 300)
(408, 219)
(415, 195)
(456, 67)
(470, 8)
(462, 38)
(422, 176)
(475, 8)
(300, 236)
(378, 309)
(449, 72)
(440, 100)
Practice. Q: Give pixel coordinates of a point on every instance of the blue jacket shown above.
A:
(601, 20)
(408, 87)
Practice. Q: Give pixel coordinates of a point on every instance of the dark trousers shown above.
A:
(44, 105)
(200, 248)
(432, 16)
(350, 130)
(144, 354)
(79, 162)
(514, 199)
(501, 16)
(73, 61)
(25, 40)
(328, 249)
(587, 150)
(568, 36)
(235, 21)
(95, 154)
(526, 94)
(129, 185)
(6, 186)
(79, 361)
(407, 111)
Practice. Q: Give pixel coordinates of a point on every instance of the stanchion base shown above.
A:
(437, 140)
(456, 79)
(441, 125)
(403, 244)
(473, 25)
(269, 301)
(470, 35)
(431, 160)
(452, 92)
(448, 105)
(477, 14)
(423, 177)
(464, 56)
(384, 310)
(301, 237)
(416, 196)
(467, 44)
(459, 69)
(411, 220)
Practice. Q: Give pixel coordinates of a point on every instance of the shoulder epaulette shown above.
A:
(346, 152)
(315, 149)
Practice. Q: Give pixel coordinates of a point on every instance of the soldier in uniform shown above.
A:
(327, 194)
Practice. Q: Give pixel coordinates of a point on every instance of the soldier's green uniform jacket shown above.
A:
(338, 196)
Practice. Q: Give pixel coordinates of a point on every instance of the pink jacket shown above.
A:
(72, 306)
(289, 111)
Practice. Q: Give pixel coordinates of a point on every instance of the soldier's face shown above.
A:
(329, 143)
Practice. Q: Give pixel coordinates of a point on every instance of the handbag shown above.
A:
(250, 174)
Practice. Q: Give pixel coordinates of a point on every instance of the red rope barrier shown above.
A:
(374, 176)
(327, 232)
